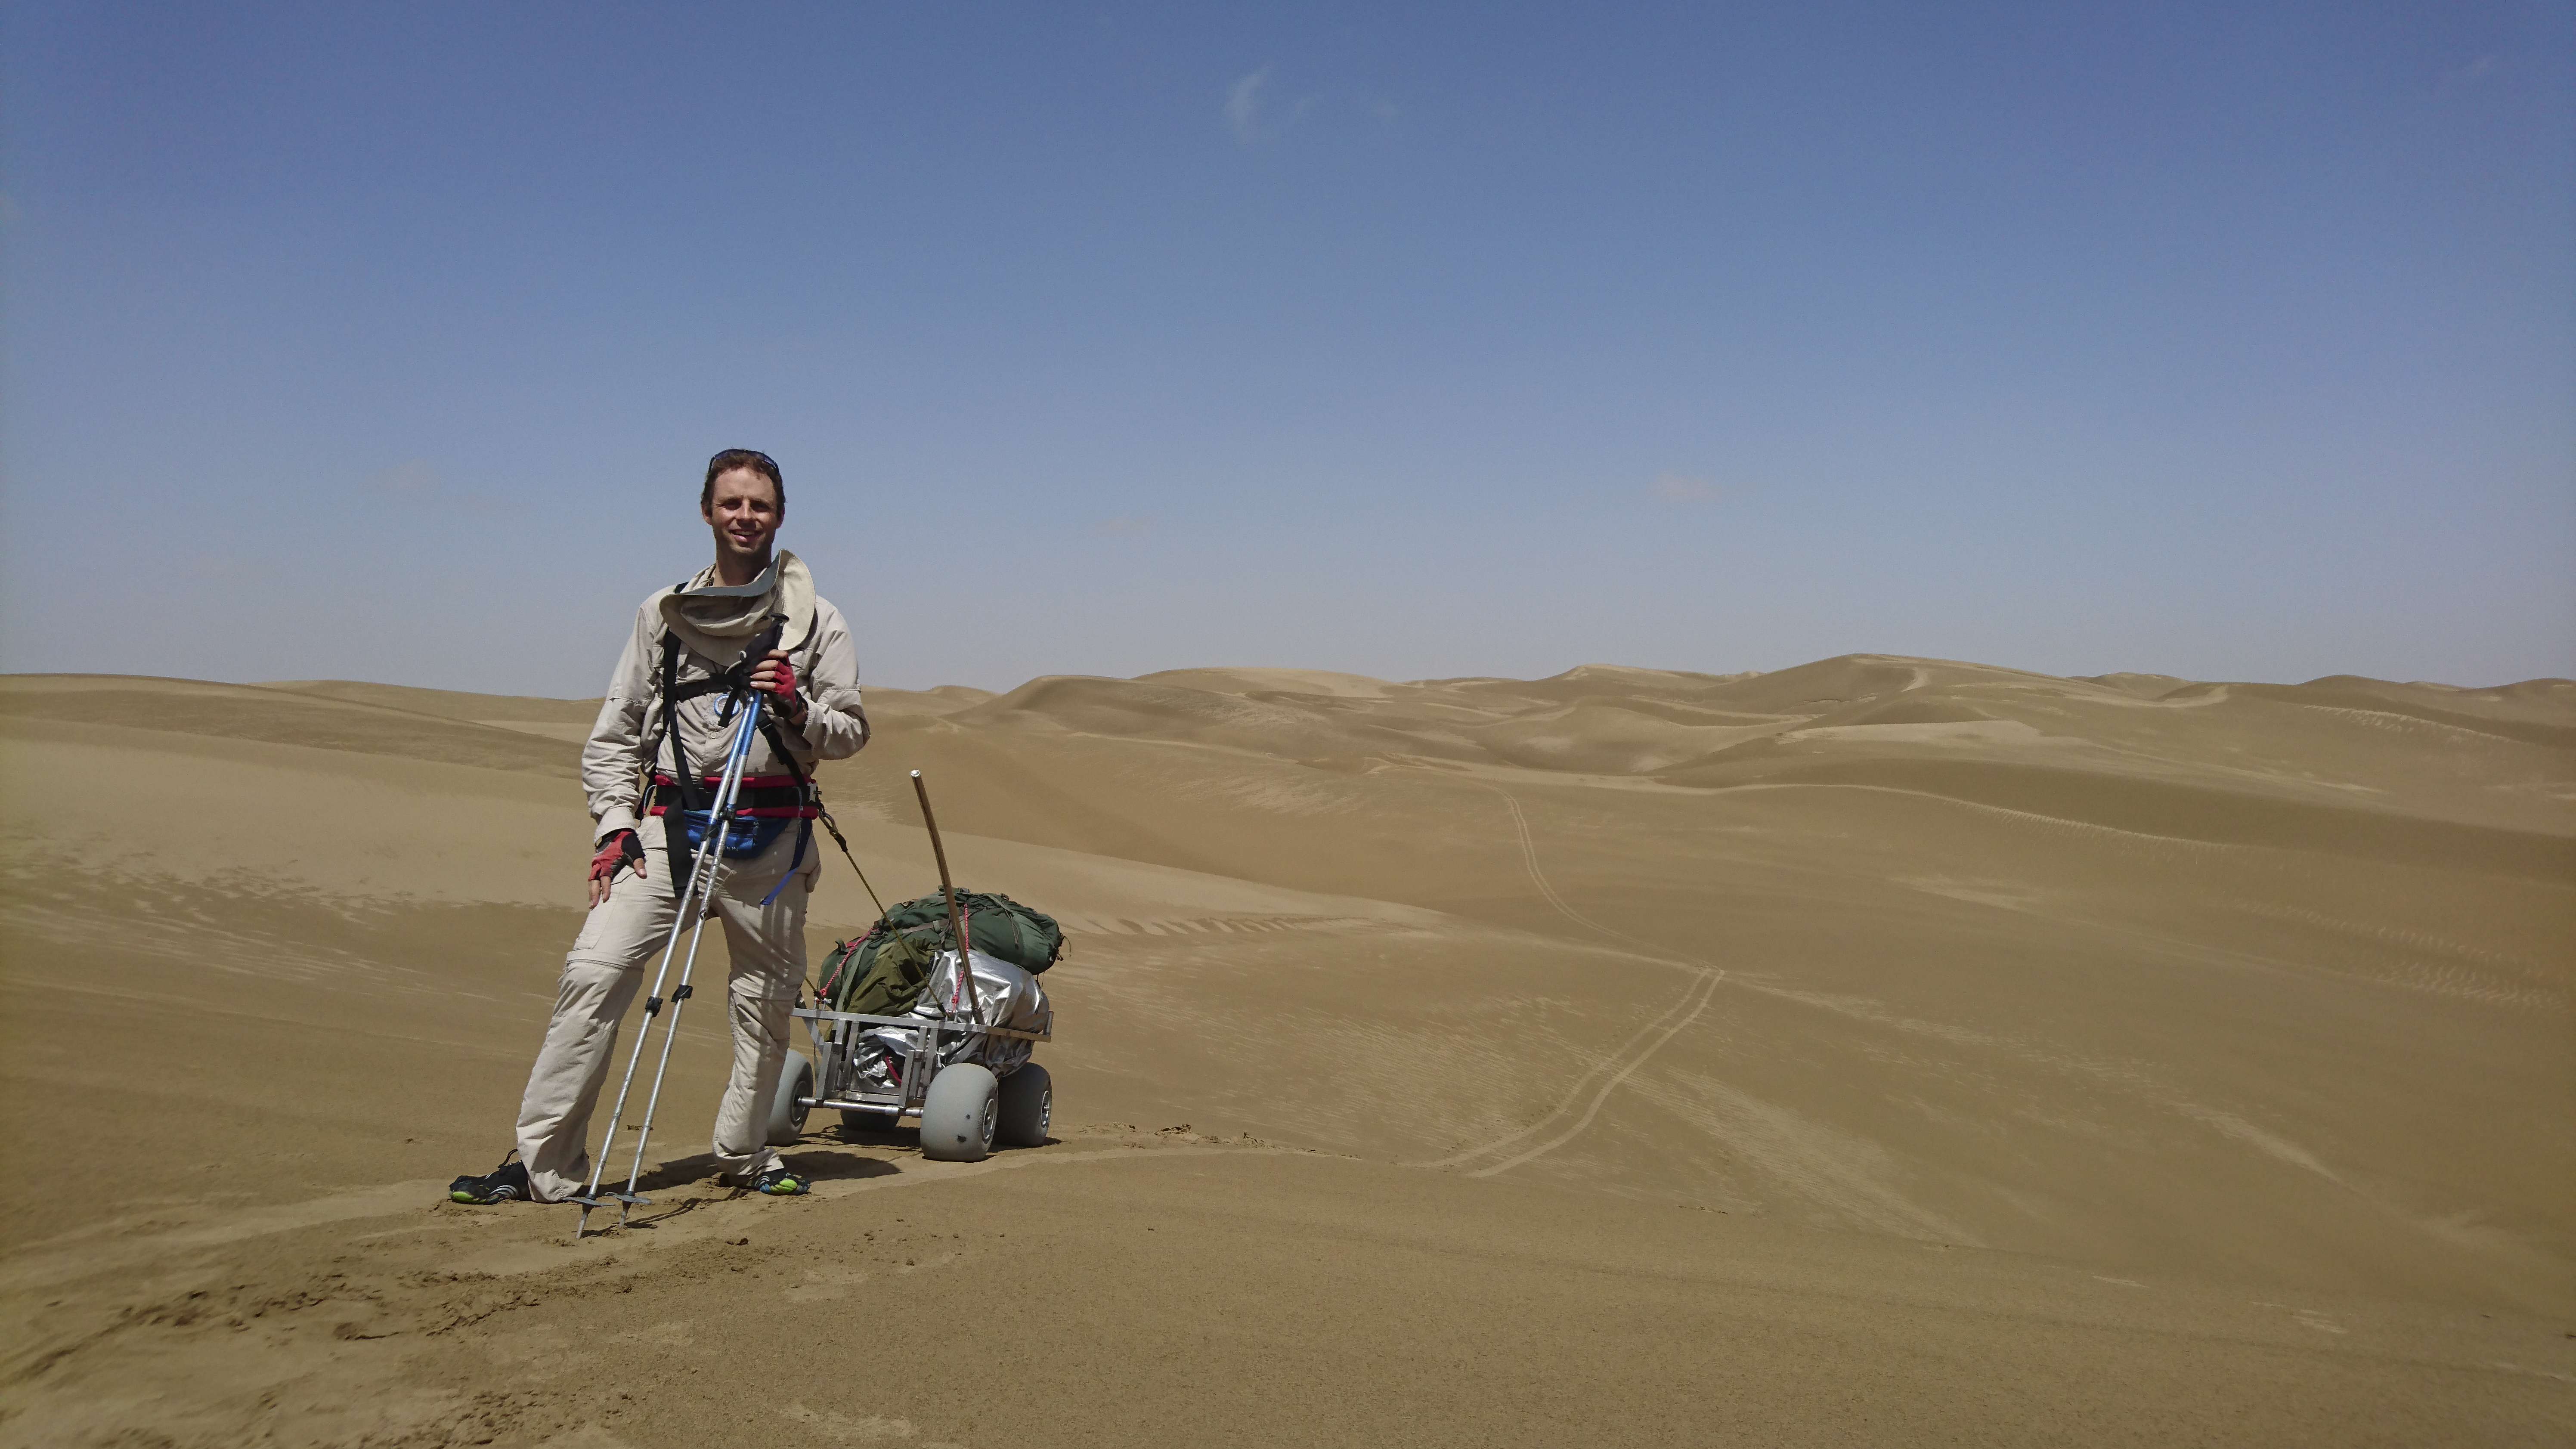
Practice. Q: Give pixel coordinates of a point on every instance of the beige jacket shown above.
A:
(827, 674)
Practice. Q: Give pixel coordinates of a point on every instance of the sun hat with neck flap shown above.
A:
(718, 620)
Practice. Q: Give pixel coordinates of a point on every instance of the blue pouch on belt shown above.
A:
(765, 806)
(742, 838)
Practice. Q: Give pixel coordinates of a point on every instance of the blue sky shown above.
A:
(388, 342)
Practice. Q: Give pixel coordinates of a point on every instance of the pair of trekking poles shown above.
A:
(695, 905)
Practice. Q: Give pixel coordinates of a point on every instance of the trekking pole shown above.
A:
(720, 823)
(692, 902)
(706, 867)
(956, 918)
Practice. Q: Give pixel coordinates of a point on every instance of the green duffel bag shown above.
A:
(882, 972)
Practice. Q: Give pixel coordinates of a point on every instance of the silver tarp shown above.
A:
(1006, 995)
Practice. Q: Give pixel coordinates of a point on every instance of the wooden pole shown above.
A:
(956, 918)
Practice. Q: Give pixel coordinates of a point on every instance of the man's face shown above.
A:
(744, 513)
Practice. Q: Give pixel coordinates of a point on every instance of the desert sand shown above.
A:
(1883, 1050)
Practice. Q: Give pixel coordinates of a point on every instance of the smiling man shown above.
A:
(665, 718)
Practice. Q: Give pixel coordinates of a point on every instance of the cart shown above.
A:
(964, 1107)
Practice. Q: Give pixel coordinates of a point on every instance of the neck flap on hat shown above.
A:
(718, 620)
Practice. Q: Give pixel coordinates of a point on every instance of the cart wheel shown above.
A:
(957, 1114)
(1028, 1105)
(786, 1118)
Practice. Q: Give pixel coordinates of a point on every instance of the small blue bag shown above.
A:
(743, 838)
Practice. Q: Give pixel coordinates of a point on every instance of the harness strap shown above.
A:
(762, 797)
(675, 843)
(691, 787)
(795, 771)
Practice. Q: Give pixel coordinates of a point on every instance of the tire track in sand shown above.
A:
(1583, 1101)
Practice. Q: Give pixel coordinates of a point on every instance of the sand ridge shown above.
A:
(1438, 1059)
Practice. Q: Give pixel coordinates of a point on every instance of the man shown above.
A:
(667, 710)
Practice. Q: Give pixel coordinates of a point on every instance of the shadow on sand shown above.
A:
(701, 1170)
(899, 1137)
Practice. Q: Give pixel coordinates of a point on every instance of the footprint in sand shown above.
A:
(826, 1284)
(847, 1427)
(2307, 1318)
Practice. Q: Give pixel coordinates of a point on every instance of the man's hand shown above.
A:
(777, 678)
(618, 850)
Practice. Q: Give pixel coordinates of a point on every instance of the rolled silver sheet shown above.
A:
(1007, 997)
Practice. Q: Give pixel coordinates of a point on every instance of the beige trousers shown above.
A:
(620, 944)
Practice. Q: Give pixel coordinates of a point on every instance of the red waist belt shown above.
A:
(762, 797)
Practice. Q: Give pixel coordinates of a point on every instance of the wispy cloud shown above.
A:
(1243, 106)
(2469, 73)
(1251, 117)
(1678, 488)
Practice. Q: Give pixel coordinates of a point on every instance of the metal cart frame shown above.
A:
(836, 1035)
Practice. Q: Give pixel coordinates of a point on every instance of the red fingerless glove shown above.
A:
(616, 853)
(790, 703)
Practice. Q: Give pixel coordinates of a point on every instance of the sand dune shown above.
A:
(1881, 1049)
